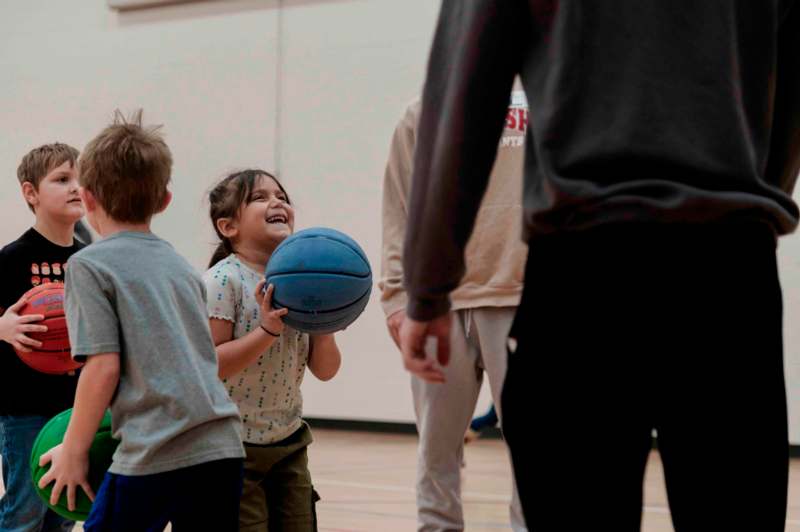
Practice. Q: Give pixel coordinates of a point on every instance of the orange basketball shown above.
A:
(54, 355)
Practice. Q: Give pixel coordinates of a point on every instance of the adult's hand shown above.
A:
(413, 337)
(393, 323)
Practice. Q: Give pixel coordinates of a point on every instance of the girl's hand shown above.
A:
(14, 328)
(270, 318)
(68, 470)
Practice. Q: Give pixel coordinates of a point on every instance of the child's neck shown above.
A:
(108, 227)
(255, 258)
(56, 232)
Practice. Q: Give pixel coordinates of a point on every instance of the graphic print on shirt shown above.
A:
(516, 121)
(54, 274)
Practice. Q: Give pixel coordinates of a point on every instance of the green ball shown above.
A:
(100, 454)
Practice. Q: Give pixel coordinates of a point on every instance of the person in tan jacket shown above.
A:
(483, 308)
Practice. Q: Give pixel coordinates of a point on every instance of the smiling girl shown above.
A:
(262, 361)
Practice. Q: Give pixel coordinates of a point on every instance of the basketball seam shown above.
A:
(276, 302)
(358, 252)
(315, 272)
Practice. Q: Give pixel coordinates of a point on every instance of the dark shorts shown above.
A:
(201, 497)
(277, 493)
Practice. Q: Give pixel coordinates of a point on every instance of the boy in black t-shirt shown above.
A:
(48, 177)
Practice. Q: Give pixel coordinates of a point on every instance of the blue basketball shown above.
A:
(323, 277)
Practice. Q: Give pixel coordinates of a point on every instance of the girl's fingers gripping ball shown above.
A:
(260, 291)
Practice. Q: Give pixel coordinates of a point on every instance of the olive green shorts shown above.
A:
(277, 493)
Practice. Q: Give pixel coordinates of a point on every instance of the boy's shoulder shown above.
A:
(23, 242)
(31, 260)
(147, 259)
(32, 241)
(91, 253)
(128, 254)
(122, 245)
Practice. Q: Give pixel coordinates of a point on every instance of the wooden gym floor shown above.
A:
(366, 481)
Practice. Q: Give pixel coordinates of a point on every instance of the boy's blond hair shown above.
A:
(40, 161)
(127, 168)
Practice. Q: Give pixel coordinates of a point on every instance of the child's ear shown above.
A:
(88, 199)
(30, 194)
(166, 202)
(227, 227)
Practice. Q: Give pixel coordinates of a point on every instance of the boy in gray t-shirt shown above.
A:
(136, 314)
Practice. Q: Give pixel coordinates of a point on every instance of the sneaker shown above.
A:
(470, 436)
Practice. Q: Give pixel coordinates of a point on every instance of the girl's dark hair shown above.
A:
(227, 197)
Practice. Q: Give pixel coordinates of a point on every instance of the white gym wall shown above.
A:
(310, 88)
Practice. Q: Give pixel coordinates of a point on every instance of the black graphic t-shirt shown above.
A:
(25, 263)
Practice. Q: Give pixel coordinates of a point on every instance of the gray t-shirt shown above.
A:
(131, 293)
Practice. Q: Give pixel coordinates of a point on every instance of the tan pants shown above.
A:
(477, 345)
(277, 492)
